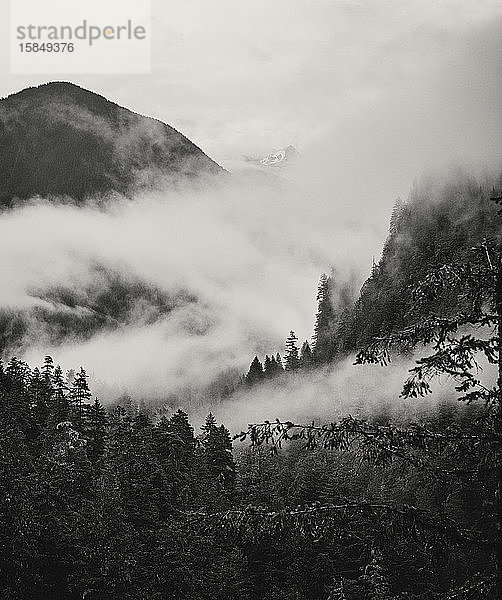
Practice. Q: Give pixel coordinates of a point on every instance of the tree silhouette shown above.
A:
(306, 358)
(255, 373)
(79, 395)
(291, 358)
(324, 343)
(217, 446)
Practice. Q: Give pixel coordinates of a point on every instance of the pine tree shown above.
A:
(396, 215)
(273, 366)
(79, 396)
(48, 369)
(268, 366)
(217, 446)
(95, 431)
(35, 387)
(48, 387)
(255, 373)
(208, 427)
(60, 405)
(17, 401)
(324, 342)
(18, 373)
(291, 359)
(306, 358)
(70, 376)
(40, 392)
(225, 461)
(176, 447)
(132, 465)
(180, 427)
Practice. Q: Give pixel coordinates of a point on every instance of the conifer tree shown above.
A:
(292, 361)
(181, 429)
(35, 388)
(95, 431)
(396, 215)
(306, 358)
(217, 445)
(337, 591)
(70, 376)
(47, 369)
(273, 366)
(183, 444)
(40, 391)
(18, 373)
(225, 459)
(208, 427)
(176, 446)
(135, 467)
(79, 395)
(60, 404)
(255, 373)
(323, 340)
(47, 384)
(267, 368)
(378, 578)
(17, 401)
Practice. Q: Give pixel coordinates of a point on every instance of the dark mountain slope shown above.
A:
(439, 224)
(61, 140)
(106, 301)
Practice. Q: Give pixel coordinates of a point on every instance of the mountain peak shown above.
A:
(59, 139)
(277, 158)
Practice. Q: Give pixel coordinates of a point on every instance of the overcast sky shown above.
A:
(241, 76)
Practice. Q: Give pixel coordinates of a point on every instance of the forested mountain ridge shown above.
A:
(443, 218)
(104, 301)
(438, 225)
(59, 139)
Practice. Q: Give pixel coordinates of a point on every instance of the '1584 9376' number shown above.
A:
(47, 47)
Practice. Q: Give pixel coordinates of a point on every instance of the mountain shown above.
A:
(438, 225)
(59, 139)
(106, 301)
(444, 217)
(277, 158)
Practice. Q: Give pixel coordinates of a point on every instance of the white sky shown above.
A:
(241, 76)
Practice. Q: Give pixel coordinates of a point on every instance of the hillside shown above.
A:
(438, 224)
(108, 300)
(61, 140)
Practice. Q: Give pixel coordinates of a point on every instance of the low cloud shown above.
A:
(328, 394)
(249, 251)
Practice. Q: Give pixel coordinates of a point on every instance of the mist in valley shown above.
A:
(222, 272)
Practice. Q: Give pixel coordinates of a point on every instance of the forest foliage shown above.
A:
(117, 504)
